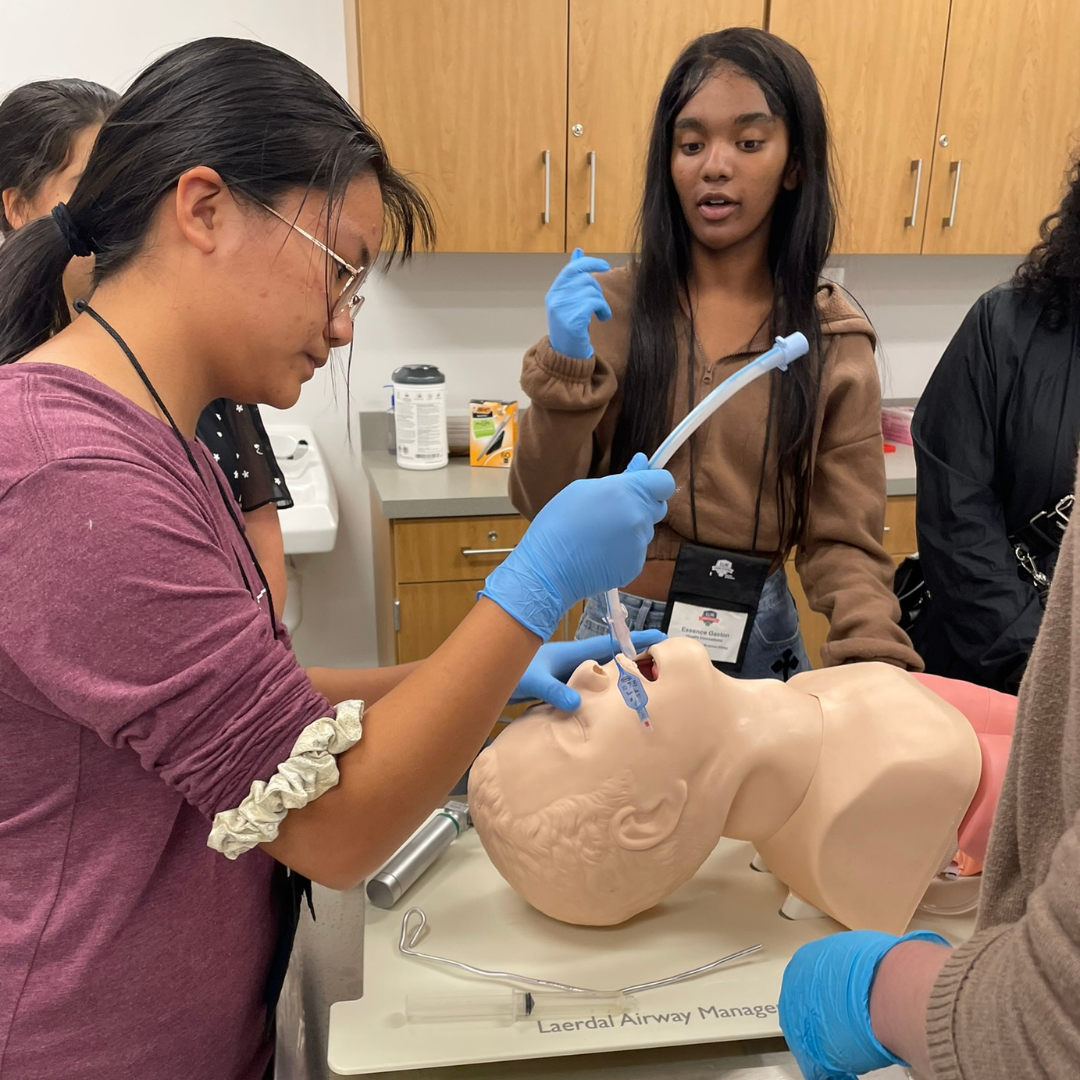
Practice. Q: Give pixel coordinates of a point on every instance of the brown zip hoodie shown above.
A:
(567, 434)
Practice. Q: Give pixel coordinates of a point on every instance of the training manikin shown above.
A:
(855, 784)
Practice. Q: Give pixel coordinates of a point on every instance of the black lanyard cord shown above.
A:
(83, 306)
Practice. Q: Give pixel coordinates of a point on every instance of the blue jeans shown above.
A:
(775, 649)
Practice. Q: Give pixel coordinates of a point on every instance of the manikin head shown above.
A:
(591, 817)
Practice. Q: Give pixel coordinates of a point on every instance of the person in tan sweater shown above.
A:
(736, 225)
(1005, 1005)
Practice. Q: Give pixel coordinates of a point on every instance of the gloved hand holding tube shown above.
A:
(574, 298)
(590, 538)
(545, 678)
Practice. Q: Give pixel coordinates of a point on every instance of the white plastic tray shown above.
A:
(474, 916)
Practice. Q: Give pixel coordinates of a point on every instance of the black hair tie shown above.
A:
(79, 246)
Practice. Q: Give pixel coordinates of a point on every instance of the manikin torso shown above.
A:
(881, 814)
(851, 782)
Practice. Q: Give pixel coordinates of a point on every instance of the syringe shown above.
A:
(779, 356)
(514, 1005)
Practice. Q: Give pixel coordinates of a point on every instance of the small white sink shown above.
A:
(310, 524)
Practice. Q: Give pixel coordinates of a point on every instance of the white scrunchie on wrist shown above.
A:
(310, 771)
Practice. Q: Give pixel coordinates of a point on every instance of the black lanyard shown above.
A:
(691, 349)
(230, 504)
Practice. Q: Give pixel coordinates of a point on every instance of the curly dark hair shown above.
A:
(1050, 275)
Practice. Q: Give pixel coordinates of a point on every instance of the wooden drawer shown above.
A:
(435, 549)
(900, 525)
(429, 612)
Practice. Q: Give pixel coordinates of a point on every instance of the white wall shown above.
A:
(112, 40)
(472, 315)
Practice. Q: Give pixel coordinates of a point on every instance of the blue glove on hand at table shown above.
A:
(825, 1003)
(574, 298)
(545, 678)
(590, 538)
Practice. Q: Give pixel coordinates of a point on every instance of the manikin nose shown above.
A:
(592, 678)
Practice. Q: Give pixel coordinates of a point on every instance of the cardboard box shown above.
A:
(493, 429)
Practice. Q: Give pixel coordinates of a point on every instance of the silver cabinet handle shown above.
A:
(546, 216)
(486, 551)
(916, 168)
(888, 528)
(950, 221)
(591, 218)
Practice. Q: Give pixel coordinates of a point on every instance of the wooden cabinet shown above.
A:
(898, 540)
(1010, 110)
(427, 574)
(470, 98)
(620, 53)
(879, 64)
(527, 121)
(952, 121)
(429, 570)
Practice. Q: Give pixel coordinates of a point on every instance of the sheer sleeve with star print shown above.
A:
(235, 435)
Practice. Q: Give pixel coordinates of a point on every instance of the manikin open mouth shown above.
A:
(646, 665)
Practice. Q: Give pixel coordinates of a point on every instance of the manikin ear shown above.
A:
(203, 202)
(638, 828)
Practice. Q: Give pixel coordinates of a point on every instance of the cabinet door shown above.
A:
(879, 63)
(430, 612)
(469, 96)
(1010, 106)
(620, 53)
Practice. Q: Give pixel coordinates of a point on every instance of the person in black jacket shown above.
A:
(996, 435)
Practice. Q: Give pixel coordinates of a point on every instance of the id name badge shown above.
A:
(714, 599)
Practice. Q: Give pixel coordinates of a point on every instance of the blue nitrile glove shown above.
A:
(545, 678)
(574, 298)
(825, 1003)
(590, 538)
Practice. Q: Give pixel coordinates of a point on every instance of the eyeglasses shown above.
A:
(349, 299)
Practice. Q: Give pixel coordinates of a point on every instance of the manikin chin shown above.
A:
(856, 785)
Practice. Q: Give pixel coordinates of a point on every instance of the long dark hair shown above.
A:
(1050, 275)
(265, 122)
(799, 243)
(39, 122)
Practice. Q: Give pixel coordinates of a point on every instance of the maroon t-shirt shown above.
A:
(142, 689)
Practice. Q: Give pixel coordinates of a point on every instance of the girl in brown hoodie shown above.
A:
(736, 224)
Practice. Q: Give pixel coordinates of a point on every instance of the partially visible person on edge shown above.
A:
(736, 225)
(47, 130)
(996, 435)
